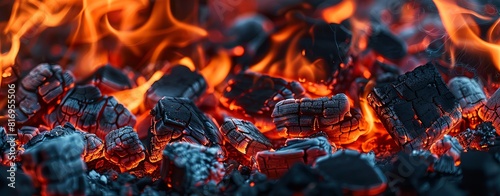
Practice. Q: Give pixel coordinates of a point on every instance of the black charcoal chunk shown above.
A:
(302, 180)
(110, 79)
(481, 139)
(244, 136)
(56, 165)
(354, 173)
(186, 166)
(417, 109)
(276, 163)
(89, 110)
(26, 133)
(304, 117)
(387, 44)
(329, 43)
(93, 146)
(470, 95)
(481, 173)
(44, 85)
(178, 119)
(180, 81)
(124, 148)
(256, 95)
(448, 146)
(490, 112)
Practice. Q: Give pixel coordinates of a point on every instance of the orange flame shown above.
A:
(339, 12)
(133, 98)
(142, 27)
(463, 30)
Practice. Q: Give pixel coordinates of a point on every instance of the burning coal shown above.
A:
(233, 97)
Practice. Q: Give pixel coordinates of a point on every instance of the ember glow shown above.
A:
(224, 97)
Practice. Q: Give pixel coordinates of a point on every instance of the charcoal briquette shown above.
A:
(109, 79)
(43, 86)
(299, 150)
(56, 166)
(417, 109)
(186, 166)
(179, 81)
(26, 133)
(256, 95)
(384, 42)
(491, 112)
(124, 148)
(470, 96)
(178, 119)
(304, 117)
(448, 146)
(244, 136)
(89, 110)
(356, 174)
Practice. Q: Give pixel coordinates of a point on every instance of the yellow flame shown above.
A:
(463, 30)
(339, 12)
(133, 98)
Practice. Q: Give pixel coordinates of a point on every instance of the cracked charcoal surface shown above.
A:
(89, 110)
(244, 136)
(491, 111)
(124, 148)
(43, 86)
(93, 146)
(304, 117)
(470, 96)
(354, 172)
(482, 139)
(26, 133)
(178, 119)
(448, 146)
(417, 109)
(276, 163)
(110, 79)
(256, 95)
(186, 166)
(56, 165)
(180, 81)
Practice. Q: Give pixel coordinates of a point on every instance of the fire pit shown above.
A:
(233, 97)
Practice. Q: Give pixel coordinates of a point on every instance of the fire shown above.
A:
(339, 12)
(141, 27)
(134, 98)
(464, 31)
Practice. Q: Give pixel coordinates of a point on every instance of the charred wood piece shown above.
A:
(448, 146)
(418, 109)
(44, 85)
(26, 133)
(89, 110)
(124, 148)
(384, 42)
(56, 165)
(342, 166)
(491, 112)
(186, 166)
(470, 96)
(93, 146)
(178, 82)
(244, 136)
(178, 119)
(481, 139)
(256, 95)
(304, 117)
(109, 79)
(276, 163)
